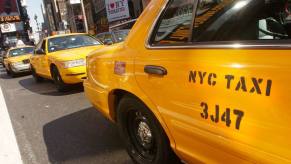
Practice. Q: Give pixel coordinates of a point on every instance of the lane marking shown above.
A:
(9, 150)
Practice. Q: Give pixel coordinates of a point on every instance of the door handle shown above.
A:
(155, 70)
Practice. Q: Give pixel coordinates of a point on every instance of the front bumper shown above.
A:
(20, 68)
(73, 75)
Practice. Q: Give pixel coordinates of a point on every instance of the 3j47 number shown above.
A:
(224, 117)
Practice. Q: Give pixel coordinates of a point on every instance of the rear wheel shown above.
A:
(62, 87)
(145, 140)
(35, 76)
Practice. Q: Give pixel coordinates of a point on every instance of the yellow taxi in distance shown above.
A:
(208, 80)
(16, 60)
(62, 58)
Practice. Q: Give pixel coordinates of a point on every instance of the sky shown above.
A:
(33, 7)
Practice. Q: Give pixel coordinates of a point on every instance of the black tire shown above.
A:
(11, 73)
(7, 71)
(61, 86)
(145, 139)
(35, 76)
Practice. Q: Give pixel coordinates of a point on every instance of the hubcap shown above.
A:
(141, 135)
(144, 133)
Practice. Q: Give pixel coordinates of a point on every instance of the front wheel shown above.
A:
(62, 87)
(7, 71)
(10, 71)
(36, 77)
(145, 139)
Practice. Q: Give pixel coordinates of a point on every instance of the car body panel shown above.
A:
(253, 81)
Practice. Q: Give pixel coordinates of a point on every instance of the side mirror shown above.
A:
(40, 52)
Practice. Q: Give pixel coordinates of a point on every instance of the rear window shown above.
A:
(174, 26)
(237, 20)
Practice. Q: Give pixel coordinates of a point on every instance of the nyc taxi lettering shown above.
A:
(236, 83)
(240, 84)
(223, 115)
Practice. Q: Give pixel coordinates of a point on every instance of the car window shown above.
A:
(108, 38)
(71, 41)
(100, 37)
(21, 51)
(242, 20)
(120, 35)
(174, 25)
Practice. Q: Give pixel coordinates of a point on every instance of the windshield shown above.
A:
(72, 41)
(121, 35)
(21, 51)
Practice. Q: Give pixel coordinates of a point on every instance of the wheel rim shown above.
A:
(141, 135)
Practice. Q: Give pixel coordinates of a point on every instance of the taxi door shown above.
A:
(223, 98)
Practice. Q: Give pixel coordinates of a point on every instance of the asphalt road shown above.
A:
(53, 127)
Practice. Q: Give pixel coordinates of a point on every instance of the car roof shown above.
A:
(63, 35)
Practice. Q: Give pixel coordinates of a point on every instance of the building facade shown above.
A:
(68, 14)
(102, 11)
(14, 22)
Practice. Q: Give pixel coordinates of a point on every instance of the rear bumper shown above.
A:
(74, 75)
(98, 97)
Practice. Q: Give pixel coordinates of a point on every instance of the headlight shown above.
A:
(17, 63)
(74, 63)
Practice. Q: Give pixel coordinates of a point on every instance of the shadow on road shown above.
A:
(3, 74)
(48, 88)
(82, 134)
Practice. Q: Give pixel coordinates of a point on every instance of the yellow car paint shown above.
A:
(255, 81)
(42, 63)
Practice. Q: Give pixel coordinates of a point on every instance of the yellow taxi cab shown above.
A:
(62, 58)
(208, 80)
(16, 60)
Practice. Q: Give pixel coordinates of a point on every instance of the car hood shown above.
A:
(19, 58)
(74, 54)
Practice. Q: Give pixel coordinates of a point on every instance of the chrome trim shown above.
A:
(213, 45)
(224, 46)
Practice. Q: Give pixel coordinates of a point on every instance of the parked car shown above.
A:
(62, 58)
(112, 37)
(16, 60)
(208, 81)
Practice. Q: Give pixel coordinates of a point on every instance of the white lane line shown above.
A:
(9, 151)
